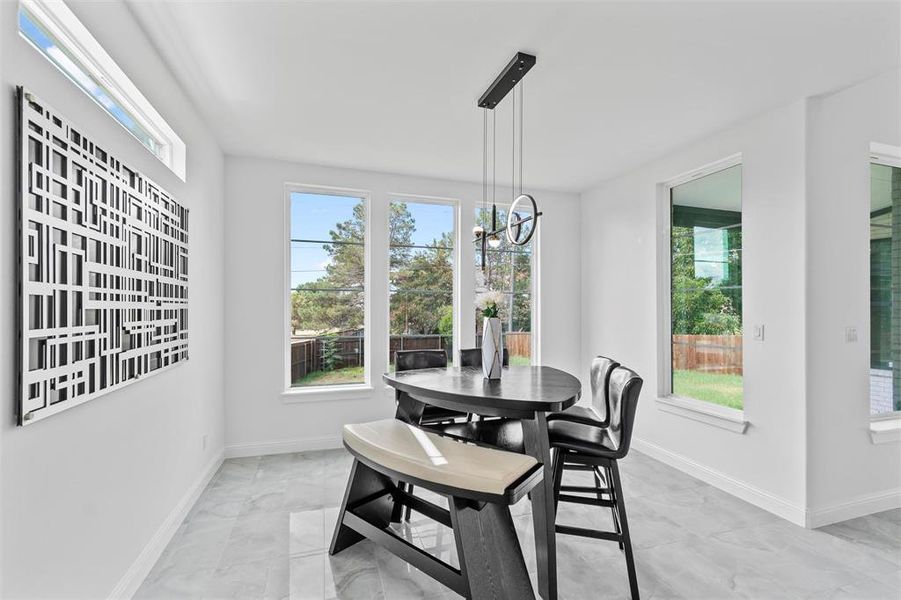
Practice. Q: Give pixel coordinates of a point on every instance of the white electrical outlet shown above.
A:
(758, 333)
(850, 334)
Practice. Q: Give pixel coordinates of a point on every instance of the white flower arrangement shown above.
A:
(488, 303)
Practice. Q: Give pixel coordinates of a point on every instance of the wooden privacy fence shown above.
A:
(306, 354)
(519, 343)
(709, 353)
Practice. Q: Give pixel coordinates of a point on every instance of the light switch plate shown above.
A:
(758, 333)
(850, 334)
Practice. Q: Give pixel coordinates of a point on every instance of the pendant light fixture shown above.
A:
(509, 79)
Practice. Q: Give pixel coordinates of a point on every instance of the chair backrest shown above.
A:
(472, 357)
(406, 360)
(625, 387)
(601, 368)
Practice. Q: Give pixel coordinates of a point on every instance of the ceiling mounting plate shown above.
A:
(515, 70)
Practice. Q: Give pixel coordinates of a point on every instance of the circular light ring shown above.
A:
(514, 225)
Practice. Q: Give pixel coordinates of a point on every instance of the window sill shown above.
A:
(884, 431)
(323, 393)
(719, 416)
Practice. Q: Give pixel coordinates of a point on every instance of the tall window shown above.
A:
(421, 256)
(885, 287)
(54, 31)
(706, 280)
(508, 270)
(328, 274)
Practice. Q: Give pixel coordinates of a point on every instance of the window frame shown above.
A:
(889, 156)
(85, 52)
(457, 254)
(534, 316)
(325, 392)
(728, 418)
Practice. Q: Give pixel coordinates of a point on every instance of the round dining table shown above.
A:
(524, 393)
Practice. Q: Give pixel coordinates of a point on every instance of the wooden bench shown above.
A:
(479, 483)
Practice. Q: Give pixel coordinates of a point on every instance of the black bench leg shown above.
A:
(617, 489)
(489, 552)
(363, 483)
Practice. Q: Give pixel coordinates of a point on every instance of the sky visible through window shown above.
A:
(48, 46)
(313, 216)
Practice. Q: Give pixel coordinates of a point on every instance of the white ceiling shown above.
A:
(393, 86)
(720, 190)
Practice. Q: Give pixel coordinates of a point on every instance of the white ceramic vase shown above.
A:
(492, 348)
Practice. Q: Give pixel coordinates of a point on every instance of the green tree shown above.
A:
(446, 322)
(329, 355)
(700, 306)
(335, 301)
(422, 288)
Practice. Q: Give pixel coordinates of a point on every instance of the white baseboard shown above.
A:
(747, 492)
(141, 567)
(861, 506)
(326, 442)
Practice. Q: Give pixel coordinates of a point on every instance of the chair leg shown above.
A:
(616, 492)
(409, 510)
(558, 476)
(616, 526)
(397, 511)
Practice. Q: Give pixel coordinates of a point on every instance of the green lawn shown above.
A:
(336, 377)
(520, 361)
(725, 390)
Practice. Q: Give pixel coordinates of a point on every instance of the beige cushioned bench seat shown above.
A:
(406, 449)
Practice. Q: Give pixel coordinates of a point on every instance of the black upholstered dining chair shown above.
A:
(503, 433)
(598, 412)
(407, 360)
(598, 448)
(472, 357)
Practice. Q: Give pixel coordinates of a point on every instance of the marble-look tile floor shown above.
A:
(261, 528)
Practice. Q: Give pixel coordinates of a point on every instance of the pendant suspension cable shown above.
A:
(493, 157)
(484, 157)
(513, 153)
(522, 106)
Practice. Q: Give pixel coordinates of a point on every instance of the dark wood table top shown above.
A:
(521, 391)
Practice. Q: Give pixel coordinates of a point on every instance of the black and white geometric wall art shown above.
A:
(103, 275)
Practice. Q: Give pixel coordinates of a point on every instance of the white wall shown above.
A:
(619, 308)
(848, 475)
(84, 491)
(258, 420)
